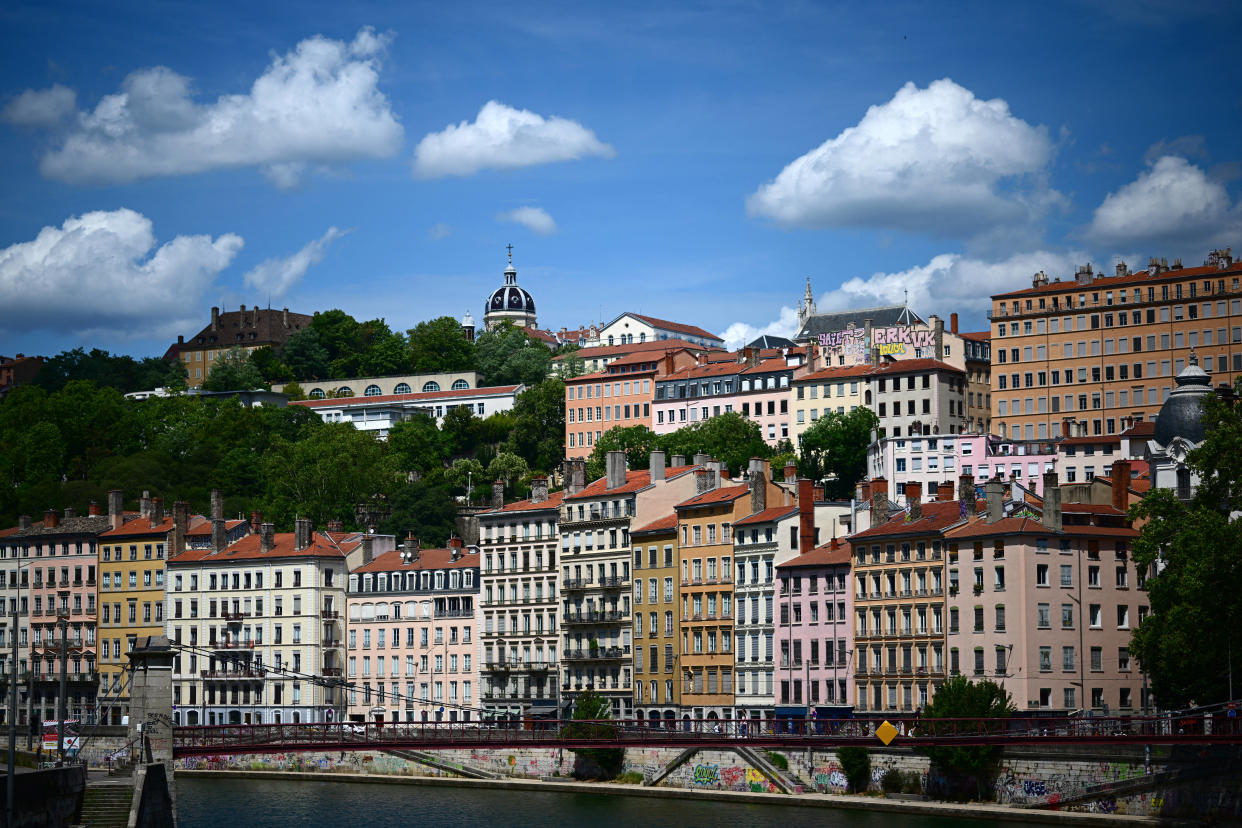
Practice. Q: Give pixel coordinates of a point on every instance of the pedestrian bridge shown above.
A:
(357, 736)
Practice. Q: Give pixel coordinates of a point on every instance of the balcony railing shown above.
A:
(455, 613)
(245, 674)
(574, 583)
(612, 582)
(234, 616)
(599, 654)
(329, 615)
(331, 643)
(593, 617)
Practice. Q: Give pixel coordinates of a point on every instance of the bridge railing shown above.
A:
(331, 736)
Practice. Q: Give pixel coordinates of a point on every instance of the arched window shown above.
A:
(372, 391)
(431, 386)
(460, 385)
(316, 394)
(344, 391)
(642, 337)
(402, 388)
(610, 342)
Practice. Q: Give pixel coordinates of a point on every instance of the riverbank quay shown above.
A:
(949, 810)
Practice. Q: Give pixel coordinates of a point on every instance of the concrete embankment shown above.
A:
(861, 803)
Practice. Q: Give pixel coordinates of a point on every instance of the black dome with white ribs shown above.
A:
(1182, 413)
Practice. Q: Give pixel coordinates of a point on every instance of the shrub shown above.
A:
(856, 764)
(630, 778)
(778, 759)
(892, 781)
(914, 783)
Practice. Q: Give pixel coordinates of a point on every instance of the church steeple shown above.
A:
(806, 305)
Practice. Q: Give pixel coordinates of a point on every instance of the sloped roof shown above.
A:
(773, 513)
(668, 523)
(1138, 277)
(677, 327)
(840, 320)
(323, 545)
(724, 494)
(204, 528)
(979, 528)
(977, 336)
(419, 396)
(139, 526)
(553, 502)
(427, 559)
(938, 515)
(824, 555)
(634, 480)
(659, 345)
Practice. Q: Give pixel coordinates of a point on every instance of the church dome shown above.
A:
(1182, 413)
(509, 301)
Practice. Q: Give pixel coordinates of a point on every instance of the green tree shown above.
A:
(508, 355)
(417, 445)
(124, 373)
(834, 450)
(384, 352)
(467, 474)
(460, 430)
(325, 475)
(571, 364)
(636, 441)
(1186, 643)
(306, 356)
(424, 508)
(729, 437)
(234, 371)
(965, 772)
(270, 365)
(508, 468)
(538, 434)
(591, 721)
(856, 765)
(294, 391)
(439, 346)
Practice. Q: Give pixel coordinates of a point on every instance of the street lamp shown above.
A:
(62, 707)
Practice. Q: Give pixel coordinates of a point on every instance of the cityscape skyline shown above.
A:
(878, 158)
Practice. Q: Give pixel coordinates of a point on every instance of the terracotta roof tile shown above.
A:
(980, 528)
(659, 346)
(204, 528)
(634, 480)
(977, 336)
(427, 559)
(142, 526)
(323, 545)
(937, 517)
(774, 513)
(719, 495)
(668, 523)
(824, 555)
(1139, 277)
(679, 327)
(553, 502)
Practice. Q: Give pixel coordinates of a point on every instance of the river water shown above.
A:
(234, 803)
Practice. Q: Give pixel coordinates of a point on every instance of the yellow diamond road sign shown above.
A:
(886, 732)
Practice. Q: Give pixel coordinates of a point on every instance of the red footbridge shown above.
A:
(428, 736)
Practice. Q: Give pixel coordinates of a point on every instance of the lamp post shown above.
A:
(62, 705)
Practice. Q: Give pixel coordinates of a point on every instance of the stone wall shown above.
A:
(48, 798)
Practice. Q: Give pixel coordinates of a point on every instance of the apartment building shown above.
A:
(978, 347)
(630, 328)
(596, 358)
(520, 606)
(378, 414)
(412, 648)
(1045, 607)
(1103, 347)
(131, 591)
(899, 605)
(657, 690)
(261, 626)
(930, 460)
(51, 581)
(247, 329)
(619, 396)
(816, 640)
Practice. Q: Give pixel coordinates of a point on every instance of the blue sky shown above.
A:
(691, 161)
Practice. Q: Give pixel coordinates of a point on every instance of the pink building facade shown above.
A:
(934, 459)
(412, 646)
(814, 674)
(758, 389)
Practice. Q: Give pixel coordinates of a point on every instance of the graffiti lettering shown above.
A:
(706, 774)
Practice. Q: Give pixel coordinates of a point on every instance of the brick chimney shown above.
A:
(864, 490)
(944, 491)
(1052, 502)
(51, 519)
(994, 494)
(1121, 476)
(215, 319)
(23, 522)
(498, 494)
(791, 472)
(256, 521)
(656, 465)
(455, 548)
(953, 322)
(879, 501)
(575, 475)
(116, 512)
(806, 516)
(615, 469)
(144, 504)
(301, 533)
(368, 551)
(758, 486)
(966, 493)
(411, 548)
(92, 510)
(181, 523)
(267, 538)
(217, 505)
(157, 511)
(538, 489)
(914, 499)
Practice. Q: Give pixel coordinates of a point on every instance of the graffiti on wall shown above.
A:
(894, 341)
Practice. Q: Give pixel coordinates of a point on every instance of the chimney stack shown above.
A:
(116, 513)
(538, 489)
(181, 523)
(1121, 476)
(953, 322)
(806, 516)
(215, 319)
(411, 548)
(23, 522)
(267, 538)
(966, 493)
(157, 511)
(144, 504)
(879, 501)
(575, 475)
(217, 505)
(70, 512)
(455, 548)
(700, 458)
(368, 553)
(301, 534)
(1052, 502)
(791, 472)
(93, 509)
(758, 486)
(336, 526)
(51, 519)
(703, 480)
(498, 494)
(678, 460)
(914, 499)
(218, 535)
(256, 521)
(994, 494)
(656, 465)
(944, 491)
(615, 469)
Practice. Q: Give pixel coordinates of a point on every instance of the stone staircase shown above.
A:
(106, 805)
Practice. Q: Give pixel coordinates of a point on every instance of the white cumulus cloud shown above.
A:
(935, 160)
(739, 334)
(319, 103)
(41, 108)
(1171, 204)
(504, 138)
(276, 277)
(105, 272)
(535, 219)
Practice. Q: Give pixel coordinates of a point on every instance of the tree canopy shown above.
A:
(1186, 643)
(124, 373)
(437, 346)
(965, 772)
(508, 355)
(834, 450)
(234, 370)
